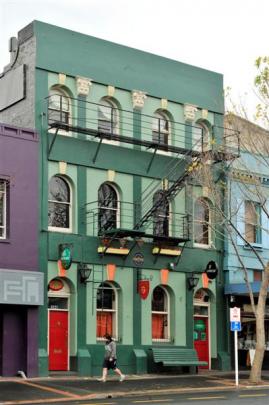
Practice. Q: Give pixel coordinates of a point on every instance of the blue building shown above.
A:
(248, 192)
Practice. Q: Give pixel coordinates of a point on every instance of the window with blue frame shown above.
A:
(253, 222)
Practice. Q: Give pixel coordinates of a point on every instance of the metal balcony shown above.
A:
(117, 126)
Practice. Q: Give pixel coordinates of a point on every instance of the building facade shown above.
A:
(21, 291)
(247, 194)
(125, 236)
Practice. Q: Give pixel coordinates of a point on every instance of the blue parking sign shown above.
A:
(235, 326)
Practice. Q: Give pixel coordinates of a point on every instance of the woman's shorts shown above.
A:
(110, 365)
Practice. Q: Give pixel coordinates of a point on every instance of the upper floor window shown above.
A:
(59, 204)
(108, 207)
(108, 117)
(160, 129)
(59, 106)
(200, 137)
(106, 311)
(252, 222)
(160, 314)
(202, 234)
(161, 215)
(3, 209)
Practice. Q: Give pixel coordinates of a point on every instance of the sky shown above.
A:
(221, 36)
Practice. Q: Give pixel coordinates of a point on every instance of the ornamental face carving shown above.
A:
(189, 112)
(83, 86)
(139, 98)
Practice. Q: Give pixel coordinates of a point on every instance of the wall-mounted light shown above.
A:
(192, 282)
(84, 272)
(171, 266)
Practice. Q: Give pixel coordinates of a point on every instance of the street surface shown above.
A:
(205, 388)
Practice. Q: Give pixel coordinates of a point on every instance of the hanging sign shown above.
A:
(211, 270)
(143, 288)
(56, 284)
(138, 259)
(65, 255)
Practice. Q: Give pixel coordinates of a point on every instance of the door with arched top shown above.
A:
(201, 327)
(58, 321)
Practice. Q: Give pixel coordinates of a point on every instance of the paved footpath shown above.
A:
(14, 391)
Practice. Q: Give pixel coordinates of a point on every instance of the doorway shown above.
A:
(201, 330)
(58, 323)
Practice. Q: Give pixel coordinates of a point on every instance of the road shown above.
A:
(258, 396)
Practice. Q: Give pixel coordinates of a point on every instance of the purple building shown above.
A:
(21, 285)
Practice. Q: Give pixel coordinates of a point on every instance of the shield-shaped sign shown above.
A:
(143, 288)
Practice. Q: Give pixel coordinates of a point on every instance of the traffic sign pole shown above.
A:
(236, 357)
(235, 322)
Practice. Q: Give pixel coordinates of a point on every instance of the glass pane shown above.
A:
(201, 228)
(58, 116)
(58, 101)
(104, 323)
(58, 190)
(1, 209)
(58, 303)
(159, 326)
(58, 215)
(158, 300)
(2, 185)
(105, 298)
(161, 215)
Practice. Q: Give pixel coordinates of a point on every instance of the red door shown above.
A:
(200, 336)
(58, 340)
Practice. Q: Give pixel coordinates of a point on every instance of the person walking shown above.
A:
(110, 360)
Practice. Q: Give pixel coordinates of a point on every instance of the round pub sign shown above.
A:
(66, 256)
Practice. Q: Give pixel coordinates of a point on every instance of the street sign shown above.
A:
(235, 326)
(235, 315)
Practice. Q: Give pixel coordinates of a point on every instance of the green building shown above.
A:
(125, 233)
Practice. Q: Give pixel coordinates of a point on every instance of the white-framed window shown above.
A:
(253, 226)
(201, 137)
(106, 311)
(59, 205)
(108, 208)
(202, 221)
(161, 129)
(59, 108)
(3, 209)
(108, 119)
(160, 314)
(161, 215)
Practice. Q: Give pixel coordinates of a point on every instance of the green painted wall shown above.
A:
(126, 68)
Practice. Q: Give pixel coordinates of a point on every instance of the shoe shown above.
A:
(122, 377)
(101, 379)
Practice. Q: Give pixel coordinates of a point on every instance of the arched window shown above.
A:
(160, 314)
(108, 117)
(202, 219)
(108, 208)
(161, 215)
(106, 311)
(59, 107)
(59, 204)
(160, 129)
(201, 137)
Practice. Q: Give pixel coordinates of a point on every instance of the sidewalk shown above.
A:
(54, 389)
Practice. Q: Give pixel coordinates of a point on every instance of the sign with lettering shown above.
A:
(21, 287)
(235, 314)
(138, 259)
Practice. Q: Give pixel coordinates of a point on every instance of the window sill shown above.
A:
(256, 246)
(201, 246)
(60, 230)
(5, 241)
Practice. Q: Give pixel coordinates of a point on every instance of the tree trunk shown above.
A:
(256, 370)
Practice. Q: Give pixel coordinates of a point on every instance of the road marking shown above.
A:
(205, 398)
(151, 400)
(51, 389)
(252, 395)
